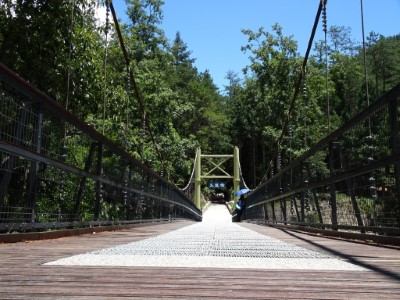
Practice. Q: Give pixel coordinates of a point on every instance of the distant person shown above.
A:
(240, 205)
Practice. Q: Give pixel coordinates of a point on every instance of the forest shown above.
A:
(62, 48)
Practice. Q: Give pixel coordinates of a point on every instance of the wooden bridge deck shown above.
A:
(22, 275)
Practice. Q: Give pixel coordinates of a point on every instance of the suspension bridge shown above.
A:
(304, 233)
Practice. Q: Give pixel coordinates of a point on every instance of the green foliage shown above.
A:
(64, 51)
(260, 104)
(366, 205)
(312, 218)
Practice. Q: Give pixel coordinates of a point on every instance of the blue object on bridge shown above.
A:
(241, 192)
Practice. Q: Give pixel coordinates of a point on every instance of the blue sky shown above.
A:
(212, 28)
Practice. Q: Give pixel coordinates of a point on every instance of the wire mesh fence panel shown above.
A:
(55, 169)
(350, 180)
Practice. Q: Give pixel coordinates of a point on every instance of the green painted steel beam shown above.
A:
(198, 179)
(217, 155)
(199, 176)
(216, 177)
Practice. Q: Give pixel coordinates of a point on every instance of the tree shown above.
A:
(181, 76)
(145, 16)
(180, 52)
(348, 79)
(340, 40)
(273, 70)
(234, 84)
(384, 59)
(54, 45)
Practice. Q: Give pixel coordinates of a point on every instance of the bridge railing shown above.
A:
(57, 170)
(348, 181)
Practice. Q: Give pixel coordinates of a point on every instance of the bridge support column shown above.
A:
(236, 171)
(197, 194)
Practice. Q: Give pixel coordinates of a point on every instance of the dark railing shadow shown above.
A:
(349, 258)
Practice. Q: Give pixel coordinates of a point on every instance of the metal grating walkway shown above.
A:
(215, 242)
(226, 240)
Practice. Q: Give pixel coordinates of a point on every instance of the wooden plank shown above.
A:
(22, 275)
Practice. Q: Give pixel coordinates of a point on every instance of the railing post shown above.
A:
(34, 168)
(280, 186)
(128, 198)
(273, 211)
(315, 196)
(351, 187)
(88, 164)
(294, 200)
(332, 187)
(197, 194)
(296, 208)
(264, 206)
(302, 196)
(98, 183)
(123, 191)
(395, 144)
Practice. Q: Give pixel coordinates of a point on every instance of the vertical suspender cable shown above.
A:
(128, 91)
(71, 28)
(300, 78)
(305, 111)
(297, 89)
(325, 29)
(69, 55)
(370, 158)
(64, 145)
(365, 63)
(105, 64)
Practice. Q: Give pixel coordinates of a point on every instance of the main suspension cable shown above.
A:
(135, 87)
(241, 175)
(300, 78)
(297, 89)
(192, 175)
